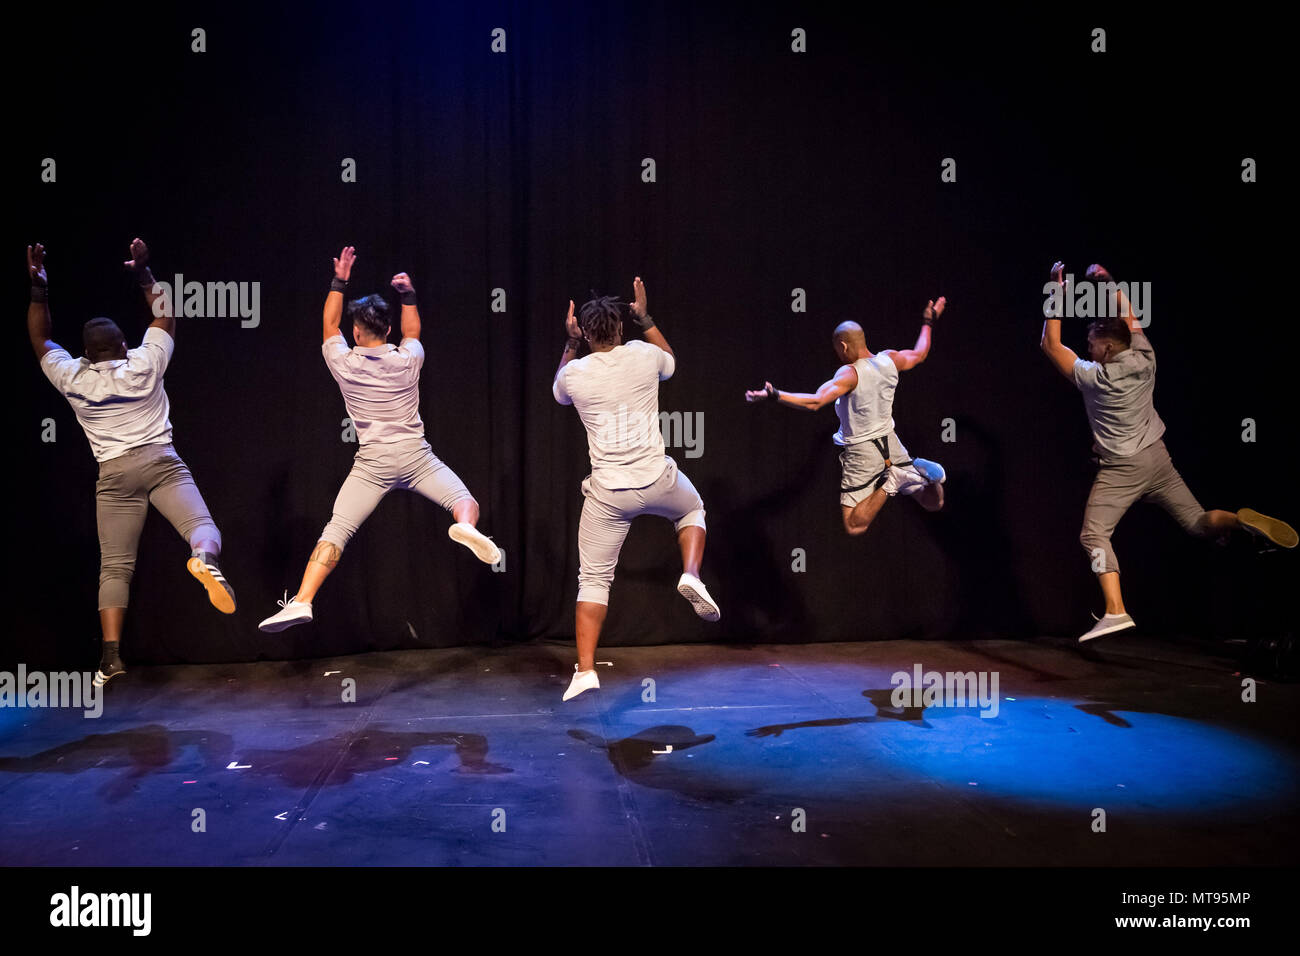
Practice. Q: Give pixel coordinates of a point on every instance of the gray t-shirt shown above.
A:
(380, 386)
(1119, 397)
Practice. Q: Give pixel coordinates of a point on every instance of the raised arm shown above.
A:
(642, 318)
(904, 359)
(1099, 273)
(410, 312)
(160, 306)
(334, 301)
(573, 342)
(1060, 356)
(39, 327)
(845, 381)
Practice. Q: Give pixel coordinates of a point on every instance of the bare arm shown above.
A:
(905, 359)
(1058, 354)
(410, 312)
(1099, 273)
(39, 326)
(845, 381)
(642, 318)
(574, 341)
(163, 311)
(333, 314)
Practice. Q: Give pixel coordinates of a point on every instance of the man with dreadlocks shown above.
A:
(615, 389)
(874, 463)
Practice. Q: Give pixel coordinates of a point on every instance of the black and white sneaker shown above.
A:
(204, 568)
(108, 669)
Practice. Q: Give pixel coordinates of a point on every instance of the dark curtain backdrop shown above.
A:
(775, 170)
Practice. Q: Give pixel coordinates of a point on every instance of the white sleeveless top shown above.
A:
(866, 412)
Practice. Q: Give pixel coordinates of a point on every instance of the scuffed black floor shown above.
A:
(440, 745)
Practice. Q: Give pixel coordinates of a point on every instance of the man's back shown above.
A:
(380, 386)
(616, 393)
(1119, 397)
(120, 403)
(866, 412)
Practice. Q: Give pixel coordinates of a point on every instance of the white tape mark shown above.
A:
(238, 766)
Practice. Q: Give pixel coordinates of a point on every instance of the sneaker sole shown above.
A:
(100, 680)
(275, 627)
(1279, 532)
(1092, 635)
(483, 549)
(221, 599)
(703, 607)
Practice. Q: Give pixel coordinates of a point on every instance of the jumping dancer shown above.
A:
(1118, 384)
(615, 389)
(380, 383)
(874, 464)
(118, 397)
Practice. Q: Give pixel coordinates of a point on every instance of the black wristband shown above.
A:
(40, 293)
(772, 391)
(645, 322)
(408, 298)
(573, 345)
(145, 277)
(339, 285)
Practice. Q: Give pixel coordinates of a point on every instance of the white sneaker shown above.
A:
(692, 588)
(290, 613)
(582, 681)
(1108, 624)
(480, 544)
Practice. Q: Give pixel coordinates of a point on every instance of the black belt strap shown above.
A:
(882, 446)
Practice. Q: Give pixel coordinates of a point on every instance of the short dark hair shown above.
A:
(101, 339)
(1113, 328)
(372, 312)
(601, 318)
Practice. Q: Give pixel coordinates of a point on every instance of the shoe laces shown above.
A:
(286, 602)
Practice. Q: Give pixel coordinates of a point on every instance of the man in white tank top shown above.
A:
(874, 463)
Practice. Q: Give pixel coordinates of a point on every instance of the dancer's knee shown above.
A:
(114, 585)
(855, 528)
(594, 588)
(692, 519)
(332, 541)
(1101, 557)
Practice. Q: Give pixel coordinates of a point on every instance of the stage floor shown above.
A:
(468, 757)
